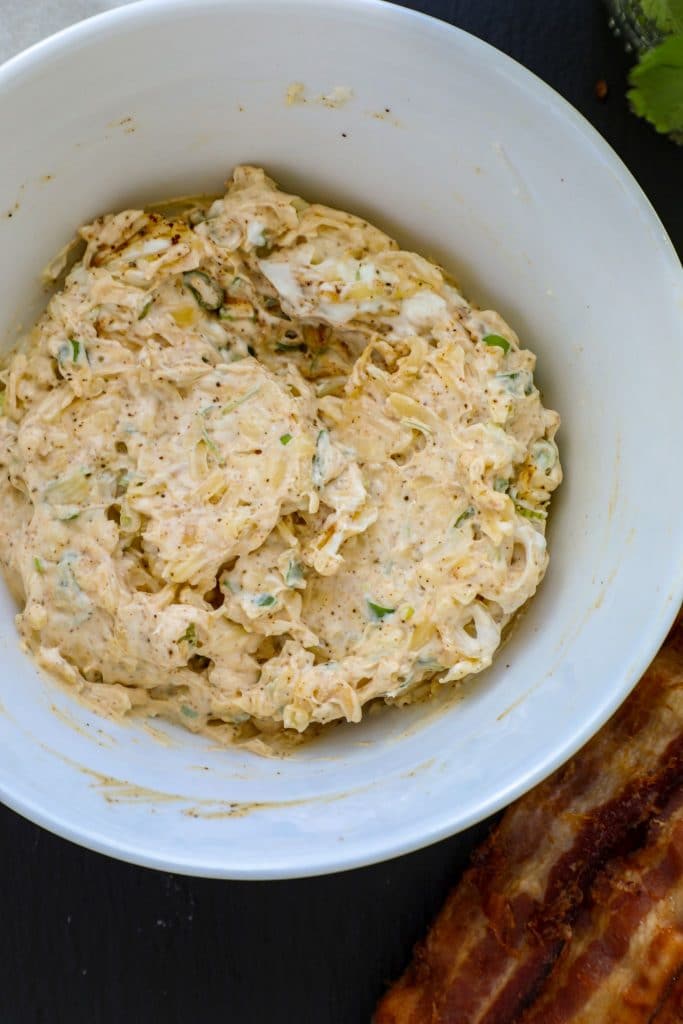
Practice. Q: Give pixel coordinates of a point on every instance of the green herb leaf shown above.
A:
(189, 636)
(145, 309)
(517, 383)
(500, 484)
(378, 611)
(241, 400)
(285, 438)
(656, 91)
(323, 447)
(264, 600)
(528, 512)
(294, 574)
(544, 454)
(213, 448)
(464, 516)
(496, 341)
(188, 711)
(666, 14)
(38, 565)
(207, 292)
(429, 663)
(75, 348)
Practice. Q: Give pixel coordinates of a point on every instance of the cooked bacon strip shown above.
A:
(627, 945)
(671, 1011)
(506, 922)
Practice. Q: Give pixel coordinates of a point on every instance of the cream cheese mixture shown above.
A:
(259, 467)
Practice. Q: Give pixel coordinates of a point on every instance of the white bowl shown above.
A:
(464, 155)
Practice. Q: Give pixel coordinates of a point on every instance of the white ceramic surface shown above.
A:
(465, 155)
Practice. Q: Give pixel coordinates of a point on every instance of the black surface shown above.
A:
(86, 939)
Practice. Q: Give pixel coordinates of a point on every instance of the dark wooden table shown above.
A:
(87, 939)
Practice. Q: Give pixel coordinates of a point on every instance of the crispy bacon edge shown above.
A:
(505, 924)
(627, 944)
(671, 1010)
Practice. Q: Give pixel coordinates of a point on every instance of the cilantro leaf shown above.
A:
(378, 611)
(464, 516)
(497, 341)
(189, 636)
(656, 91)
(294, 574)
(666, 14)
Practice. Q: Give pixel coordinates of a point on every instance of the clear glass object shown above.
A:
(630, 24)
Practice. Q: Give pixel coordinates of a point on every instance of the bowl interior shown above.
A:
(467, 157)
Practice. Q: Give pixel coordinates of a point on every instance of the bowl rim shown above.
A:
(663, 612)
